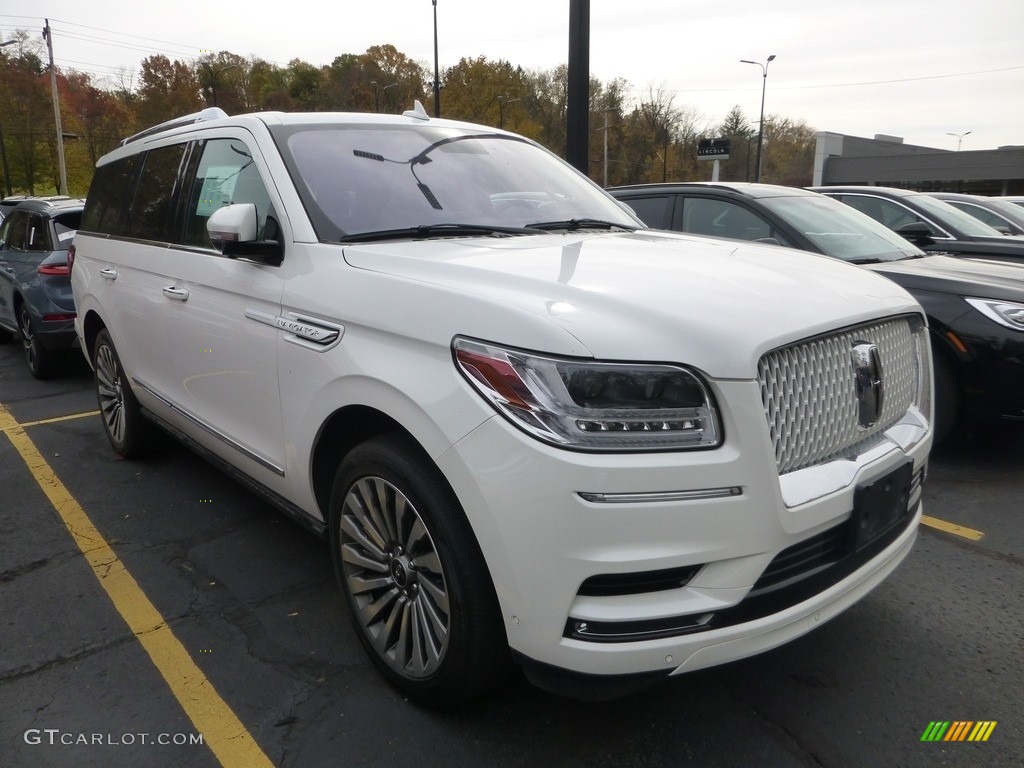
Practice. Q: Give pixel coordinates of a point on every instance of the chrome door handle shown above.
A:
(108, 274)
(178, 294)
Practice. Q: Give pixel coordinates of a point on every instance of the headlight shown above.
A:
(1008, 313)
(591, 405)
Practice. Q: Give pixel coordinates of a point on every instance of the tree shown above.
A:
(220, 81)
(26, 118)
(166, 90)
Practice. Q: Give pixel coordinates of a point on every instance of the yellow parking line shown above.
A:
(957, 530)
(225, 734)
(56, 419)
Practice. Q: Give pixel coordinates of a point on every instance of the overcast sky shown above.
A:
(919, 69)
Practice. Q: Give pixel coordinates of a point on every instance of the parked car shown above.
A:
(930, 223)
(528, 430)
(36, 303)
(975, 308)
(8, 203)
(999, 214)
(1016, 200)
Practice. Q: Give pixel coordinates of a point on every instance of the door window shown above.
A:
(152, 212)
(722, 218)
(655, 212)
(226, 174)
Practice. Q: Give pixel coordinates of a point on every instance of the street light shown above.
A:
(214, 74)
(502, 101)
(760, 124)
(437, 72)
(378, 91)
(959, 138)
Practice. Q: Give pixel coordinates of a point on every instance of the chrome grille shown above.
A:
(810, 398)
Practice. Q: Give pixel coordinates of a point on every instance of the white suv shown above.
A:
(530, 429)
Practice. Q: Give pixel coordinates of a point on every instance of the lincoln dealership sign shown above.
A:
(713, 149)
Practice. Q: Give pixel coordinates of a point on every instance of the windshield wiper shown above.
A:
(572, 225)
(424, 231)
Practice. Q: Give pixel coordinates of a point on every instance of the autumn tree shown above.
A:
(166, 90)
(221, 79)
(26, 118)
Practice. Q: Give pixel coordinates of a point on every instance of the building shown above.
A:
(887, 161)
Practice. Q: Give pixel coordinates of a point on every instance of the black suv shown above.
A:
(975, 308)
(35, 286)
(928, 222)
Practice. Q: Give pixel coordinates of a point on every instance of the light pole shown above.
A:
(214, 74)
(760, 124)
(3, 146)
(437, 71)
(377, 92)
(959, 138)
(502, 101)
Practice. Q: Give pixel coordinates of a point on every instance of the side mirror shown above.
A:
(918, 233)
(233, 230)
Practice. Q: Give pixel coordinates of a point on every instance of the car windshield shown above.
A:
(839, 230)
(944, 213)
(360, 181)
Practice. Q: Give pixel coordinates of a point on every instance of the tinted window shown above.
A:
(64, 226)
(892, 214)
(38, 238)
(152, 210)
(15, 227)
(722, 218)
(653, 211)
(110, 195)
(225, 175)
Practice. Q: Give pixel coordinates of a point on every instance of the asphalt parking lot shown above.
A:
(156, 613)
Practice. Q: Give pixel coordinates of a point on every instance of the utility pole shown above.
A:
(437, 70)
(56, 110)
(577, 139)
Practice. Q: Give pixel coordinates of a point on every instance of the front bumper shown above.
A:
(564, 564)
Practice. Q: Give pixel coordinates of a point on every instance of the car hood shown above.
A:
(643, 295)
(963, 276)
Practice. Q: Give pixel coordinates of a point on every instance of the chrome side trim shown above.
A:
(261, 460)
(656, 497)
(299, 329)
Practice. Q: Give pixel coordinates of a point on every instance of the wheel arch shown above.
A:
(342, 431)
(92, 324)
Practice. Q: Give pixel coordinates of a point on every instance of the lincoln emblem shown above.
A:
(867, 378)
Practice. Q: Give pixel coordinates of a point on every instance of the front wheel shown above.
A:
(427, 616)
(129, 433)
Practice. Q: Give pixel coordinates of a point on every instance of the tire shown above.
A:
(418, 590)
(42, 362)
(129, 433)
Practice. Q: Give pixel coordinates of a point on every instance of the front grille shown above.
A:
(810, 397)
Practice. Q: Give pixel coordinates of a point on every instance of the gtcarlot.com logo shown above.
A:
(55, 736)
(958, 730)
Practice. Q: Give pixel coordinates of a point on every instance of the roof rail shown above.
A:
(210, 113)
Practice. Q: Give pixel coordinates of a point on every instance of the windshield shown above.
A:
(356, 180)
(839, 230)
(946, 214)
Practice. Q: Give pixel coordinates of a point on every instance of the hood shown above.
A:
(958, 275)
(711, 304)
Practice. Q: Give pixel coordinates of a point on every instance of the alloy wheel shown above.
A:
(109, 392)
(395, 577)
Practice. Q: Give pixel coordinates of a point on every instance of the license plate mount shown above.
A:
(880, 506)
